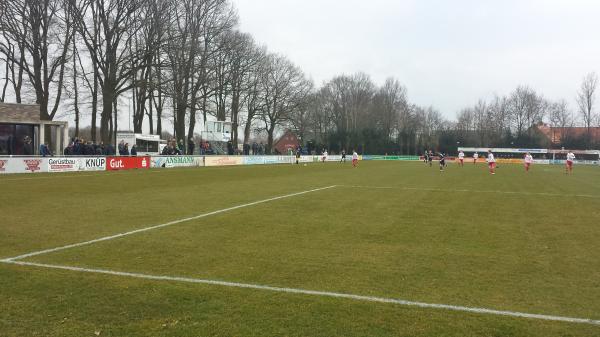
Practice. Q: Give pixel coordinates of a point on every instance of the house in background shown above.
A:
(19, 122)
(556, 135)
(287, 143)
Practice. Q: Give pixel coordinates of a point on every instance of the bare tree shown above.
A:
(285, 88)
(196, 26)
(107, 28)
(252, 97)
(42, 29)
(527, 108)
(586, 99)
(560, 118)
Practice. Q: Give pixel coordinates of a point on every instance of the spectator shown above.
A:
(45, 150)
(191, 146)
(229, 148)
(27, 146)
(121, 148)
(134, 150)
(181, 146)
(126, 149)
(88, 149)
(68, 151)
(99, 149)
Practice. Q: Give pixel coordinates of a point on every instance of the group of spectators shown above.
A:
(173, 148)
(81, 147)
(253, 149)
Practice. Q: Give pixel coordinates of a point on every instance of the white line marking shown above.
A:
(469, 191)
(51, 250)
(316, 293)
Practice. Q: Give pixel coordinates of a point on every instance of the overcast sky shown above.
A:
(447, 53)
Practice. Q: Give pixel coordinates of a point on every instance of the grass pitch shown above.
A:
(513, 242)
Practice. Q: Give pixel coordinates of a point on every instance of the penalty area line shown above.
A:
(476, 310)
(171, 223)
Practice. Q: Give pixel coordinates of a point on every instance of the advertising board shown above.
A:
(127, 163)
(176, 161)
(23, 165)
(222, 161)
(92, 164)
(60, 164)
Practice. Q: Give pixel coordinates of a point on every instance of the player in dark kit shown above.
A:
(430, 158)
(442, 162)
(298, 153)
(343, 160)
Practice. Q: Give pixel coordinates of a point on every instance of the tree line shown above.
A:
(184, 62)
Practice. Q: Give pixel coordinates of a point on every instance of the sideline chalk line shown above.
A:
(469, 191)
(145, 229)
(316, 293)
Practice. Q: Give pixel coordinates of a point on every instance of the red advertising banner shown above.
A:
(127, 163)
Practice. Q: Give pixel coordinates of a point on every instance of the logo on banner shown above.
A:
(95, 163)
(116, 164)
(62, 164)
(32, 164)
(2, 164)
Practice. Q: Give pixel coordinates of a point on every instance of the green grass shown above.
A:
(421, 240)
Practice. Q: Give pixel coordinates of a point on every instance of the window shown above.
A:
(12, 139)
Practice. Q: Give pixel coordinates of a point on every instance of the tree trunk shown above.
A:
(106, 127)
(270, 132)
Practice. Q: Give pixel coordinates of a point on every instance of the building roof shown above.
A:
(555, 134)
(287, 141)
(19, 113)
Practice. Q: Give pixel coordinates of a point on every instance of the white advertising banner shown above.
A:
(92, 164)
(223, 161)
(23, 165)
(59, 164)
(176, 161)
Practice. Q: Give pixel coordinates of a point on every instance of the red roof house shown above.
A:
(286, 143)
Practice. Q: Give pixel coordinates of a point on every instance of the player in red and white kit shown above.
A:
(570, 160)
(475, 157)
(354, 159)
(491, 162)
(461, 158)
(528, 161)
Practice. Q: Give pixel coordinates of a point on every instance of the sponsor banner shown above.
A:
(307, 159)
(60, 164)
(260, 160)
(577, 162)
(92, 164)
(23, 165)
(509, 161)
(501, 150)
(254, 160)
(176, 161)
(222, 161)
(279, 159)
(127, 163)
(395, 158)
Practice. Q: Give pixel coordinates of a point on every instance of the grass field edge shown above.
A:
(362, 298)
